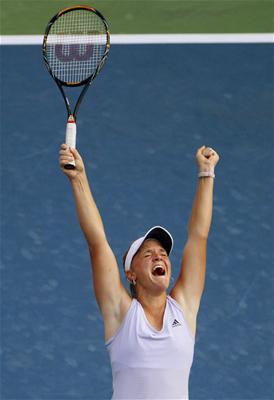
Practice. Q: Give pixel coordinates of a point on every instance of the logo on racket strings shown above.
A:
(73, 52)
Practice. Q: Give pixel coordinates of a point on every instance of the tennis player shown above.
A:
(149, 333)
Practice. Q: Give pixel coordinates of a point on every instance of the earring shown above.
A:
(133, 282)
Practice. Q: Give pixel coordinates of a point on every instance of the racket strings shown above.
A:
(76, 44)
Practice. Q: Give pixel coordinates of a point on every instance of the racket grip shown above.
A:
(71, 139)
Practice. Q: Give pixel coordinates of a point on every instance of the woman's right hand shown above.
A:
(66, 155)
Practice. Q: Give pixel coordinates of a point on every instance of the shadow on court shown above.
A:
(138, 130)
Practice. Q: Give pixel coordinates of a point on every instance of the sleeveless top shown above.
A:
(151, 364)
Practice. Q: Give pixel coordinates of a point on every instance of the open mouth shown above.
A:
(158, 271)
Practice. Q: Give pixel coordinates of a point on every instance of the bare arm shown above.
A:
(190, 284)
(108, 288)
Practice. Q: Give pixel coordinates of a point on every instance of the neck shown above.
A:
(152, 302)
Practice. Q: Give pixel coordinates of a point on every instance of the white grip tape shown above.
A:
(71, 134)
(71, 141)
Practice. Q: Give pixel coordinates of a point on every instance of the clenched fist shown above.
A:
(206, 158)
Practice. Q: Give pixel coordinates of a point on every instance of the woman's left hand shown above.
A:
(206, 158)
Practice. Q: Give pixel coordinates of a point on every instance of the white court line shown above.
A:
(194, 38)
(157, 38)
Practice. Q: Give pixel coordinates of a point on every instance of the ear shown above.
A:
(131, 276)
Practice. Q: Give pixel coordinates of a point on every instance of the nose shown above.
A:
(157, 256)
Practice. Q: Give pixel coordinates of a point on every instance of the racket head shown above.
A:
(76, 44)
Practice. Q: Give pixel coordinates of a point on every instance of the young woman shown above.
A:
(150, 333)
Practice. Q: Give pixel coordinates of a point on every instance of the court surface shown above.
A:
(139, 128)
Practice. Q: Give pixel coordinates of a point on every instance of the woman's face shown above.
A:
(151, 267)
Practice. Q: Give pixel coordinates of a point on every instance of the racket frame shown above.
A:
(71, 115)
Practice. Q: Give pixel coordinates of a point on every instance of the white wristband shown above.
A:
(204, 174)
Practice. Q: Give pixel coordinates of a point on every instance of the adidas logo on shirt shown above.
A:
(176, 323)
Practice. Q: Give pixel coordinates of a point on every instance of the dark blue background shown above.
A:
(138, 130)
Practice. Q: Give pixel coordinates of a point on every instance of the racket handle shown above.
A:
(71, 139)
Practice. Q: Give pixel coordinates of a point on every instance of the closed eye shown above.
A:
(148, 253)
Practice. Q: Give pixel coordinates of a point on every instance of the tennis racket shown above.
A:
(75, 46)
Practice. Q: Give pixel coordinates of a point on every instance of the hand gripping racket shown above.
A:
(75, 47)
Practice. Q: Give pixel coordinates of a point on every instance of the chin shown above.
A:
(163, 286)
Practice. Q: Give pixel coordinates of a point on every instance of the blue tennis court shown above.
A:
(138, 131)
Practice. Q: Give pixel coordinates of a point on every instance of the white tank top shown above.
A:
(151, 364)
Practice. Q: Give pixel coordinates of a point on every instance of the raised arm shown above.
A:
(109, 291)
(189, 287)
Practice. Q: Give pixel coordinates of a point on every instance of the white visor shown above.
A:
(157, 232)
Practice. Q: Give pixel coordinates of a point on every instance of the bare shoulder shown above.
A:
(114, 314)
(111, 295)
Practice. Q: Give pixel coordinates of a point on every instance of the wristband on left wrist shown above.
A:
(205, 174)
